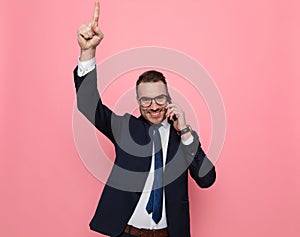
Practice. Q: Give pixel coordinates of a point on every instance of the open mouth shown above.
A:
(155, 114)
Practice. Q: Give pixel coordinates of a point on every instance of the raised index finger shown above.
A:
(96, 12)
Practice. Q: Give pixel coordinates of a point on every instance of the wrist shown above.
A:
(186, 136)
(87, 54)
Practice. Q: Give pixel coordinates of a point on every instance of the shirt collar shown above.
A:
(165, 123)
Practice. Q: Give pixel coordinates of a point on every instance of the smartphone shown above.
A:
(174, 118)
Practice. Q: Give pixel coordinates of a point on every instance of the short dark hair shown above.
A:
(151, 76)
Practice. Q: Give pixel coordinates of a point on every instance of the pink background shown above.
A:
(251, 49)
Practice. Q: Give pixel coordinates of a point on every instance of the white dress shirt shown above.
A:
(140, 217)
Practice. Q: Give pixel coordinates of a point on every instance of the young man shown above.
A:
(147, 191)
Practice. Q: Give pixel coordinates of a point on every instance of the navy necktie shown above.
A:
(154, 204)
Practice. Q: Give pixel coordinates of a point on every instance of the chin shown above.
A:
(155, 121)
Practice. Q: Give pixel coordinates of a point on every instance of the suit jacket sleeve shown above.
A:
(90, 104)
(201, 168)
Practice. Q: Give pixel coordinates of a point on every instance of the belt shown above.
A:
(146, 233)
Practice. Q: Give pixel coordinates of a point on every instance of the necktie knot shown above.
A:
(157, 126)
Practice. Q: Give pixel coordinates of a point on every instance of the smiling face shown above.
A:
(155, 113)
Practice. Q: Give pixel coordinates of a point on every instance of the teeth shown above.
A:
(154, 114)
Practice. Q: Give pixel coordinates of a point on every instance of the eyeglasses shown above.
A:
(160, 100)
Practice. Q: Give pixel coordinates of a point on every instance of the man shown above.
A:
(147, 192)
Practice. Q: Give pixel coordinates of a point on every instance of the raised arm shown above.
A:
(88, 99)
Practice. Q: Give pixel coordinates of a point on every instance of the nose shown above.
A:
(153, 105)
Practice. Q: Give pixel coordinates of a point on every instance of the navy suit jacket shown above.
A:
(131, 139)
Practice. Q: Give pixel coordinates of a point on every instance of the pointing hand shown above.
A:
(90, 36)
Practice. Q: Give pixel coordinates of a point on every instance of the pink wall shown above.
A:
(251, 50)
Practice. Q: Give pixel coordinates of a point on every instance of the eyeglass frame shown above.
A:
(168, 99)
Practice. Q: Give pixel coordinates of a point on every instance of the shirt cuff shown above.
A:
(188, 141)
(85, 67)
